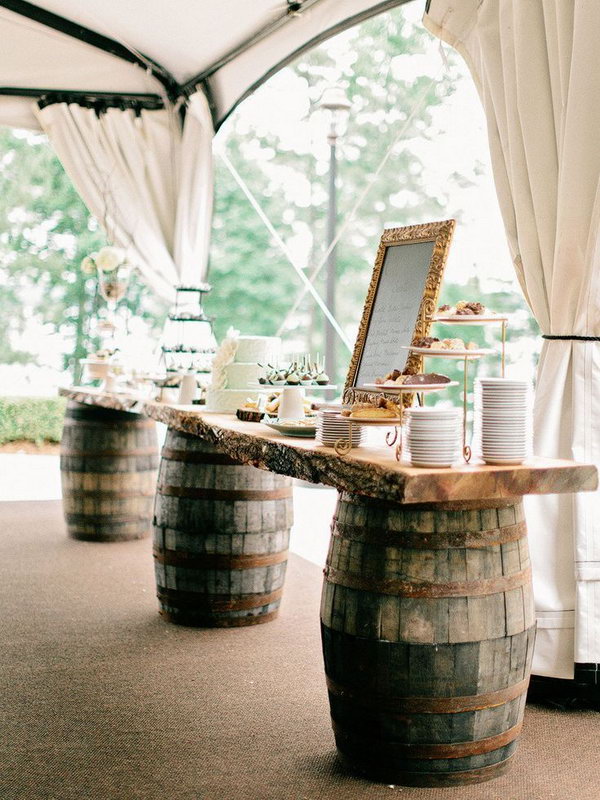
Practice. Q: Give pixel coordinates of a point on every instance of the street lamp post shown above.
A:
(335, 102)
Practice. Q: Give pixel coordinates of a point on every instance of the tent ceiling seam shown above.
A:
(38, 93)
(350, 22)
(94, 39)
(291, 12)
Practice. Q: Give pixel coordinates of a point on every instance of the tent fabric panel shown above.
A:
(34, 56)
(185, 36)
(148, 183)
(534, 64)
(18, 112)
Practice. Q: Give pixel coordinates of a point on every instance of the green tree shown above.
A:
(45, 230)
(254, 286)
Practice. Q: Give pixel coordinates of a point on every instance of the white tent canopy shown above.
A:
(107, 81)
(154, 49)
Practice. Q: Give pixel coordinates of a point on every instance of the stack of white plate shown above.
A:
(433, 436)
(331, 426)
(505, 410)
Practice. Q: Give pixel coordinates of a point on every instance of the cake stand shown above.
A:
(465, 356)
(343, 446)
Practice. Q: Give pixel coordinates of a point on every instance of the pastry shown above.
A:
(452, 344)
(382, 408)
(425, 341)
(464, 308)
(425, 378)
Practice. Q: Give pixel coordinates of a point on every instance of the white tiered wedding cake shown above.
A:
(235, 369)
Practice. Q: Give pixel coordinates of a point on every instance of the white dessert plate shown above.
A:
(434, 454)
(293, 427)
(496, 381)
(270, 387)
(402, 389)
(469, 319)
(430, 351)
(431, 464)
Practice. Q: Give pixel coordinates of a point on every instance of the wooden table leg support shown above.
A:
(221, 533)
(428, 630)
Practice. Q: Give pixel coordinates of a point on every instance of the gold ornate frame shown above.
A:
(438, 232)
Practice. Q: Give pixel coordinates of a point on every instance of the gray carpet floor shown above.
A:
(101, 699)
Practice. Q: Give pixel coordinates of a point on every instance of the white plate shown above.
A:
(504, 419)
(401, 389)
(431, 464)
(449, 441)
(504, 453)
(290, 429)
(432, 424)
(429, 351)
(497, 448)
(500, 382)
(506, 405)
(514, 435)
(469, 319)
(432, 413)
(270, 387)
(443, 454)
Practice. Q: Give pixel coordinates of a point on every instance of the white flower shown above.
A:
(223, 357)
(88, 266)
(109, 258)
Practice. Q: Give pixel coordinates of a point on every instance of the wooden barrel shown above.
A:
(108, 462)
(221, 533)
(428, 631)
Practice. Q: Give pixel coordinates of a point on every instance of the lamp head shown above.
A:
(335, 101)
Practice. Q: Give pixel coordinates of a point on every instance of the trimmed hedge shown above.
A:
(34, 419)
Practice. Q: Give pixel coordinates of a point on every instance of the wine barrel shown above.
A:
(108, 462)
(221, 533)
(428, 631)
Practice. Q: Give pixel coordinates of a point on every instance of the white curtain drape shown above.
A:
(146, 178)
(535, 63)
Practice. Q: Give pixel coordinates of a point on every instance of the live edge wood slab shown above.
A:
(427, 615)
(371, 471)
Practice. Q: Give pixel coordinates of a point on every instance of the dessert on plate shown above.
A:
(397, 378)
(383, 409)
(433, 343)
(301, 372)
(464, 308)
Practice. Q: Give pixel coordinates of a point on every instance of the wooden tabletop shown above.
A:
(371, 471)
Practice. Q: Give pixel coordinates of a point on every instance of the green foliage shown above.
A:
(45, 230)
(254, 285)
(34, 419)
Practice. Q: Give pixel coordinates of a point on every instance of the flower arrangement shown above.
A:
(106, 259)
(113, 271)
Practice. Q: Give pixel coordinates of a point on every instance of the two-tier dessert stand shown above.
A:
(343, 445)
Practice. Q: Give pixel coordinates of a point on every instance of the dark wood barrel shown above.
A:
(221, 533)
(108, 462)
(428, 631)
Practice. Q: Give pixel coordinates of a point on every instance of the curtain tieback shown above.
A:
(572, 338)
